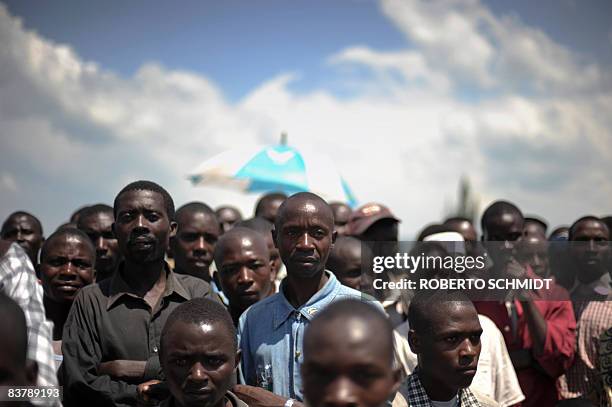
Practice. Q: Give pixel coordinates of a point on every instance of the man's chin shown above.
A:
(305, 272)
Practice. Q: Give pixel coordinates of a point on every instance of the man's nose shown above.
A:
(197, 373)
(201, 243)
(68, 269)
(305, 241)
(468, 350)
(100, 245)
(340, 393)
(245, 275)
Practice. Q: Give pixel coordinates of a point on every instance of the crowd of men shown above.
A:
(141, 304)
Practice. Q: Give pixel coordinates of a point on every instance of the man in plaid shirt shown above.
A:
(18, 281)
(445, 335)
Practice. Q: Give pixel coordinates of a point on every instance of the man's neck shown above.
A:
(299, 290)
(56, 312)
(142, 277)
(436, 390)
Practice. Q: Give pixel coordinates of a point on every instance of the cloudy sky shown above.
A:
(407, 96)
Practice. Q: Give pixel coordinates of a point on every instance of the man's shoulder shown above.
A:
(484, 400)
(344, 291)
(195, 286)
(263, 305)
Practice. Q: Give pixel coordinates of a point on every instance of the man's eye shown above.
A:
(82, 264)
(56, 262)
(108, 235)
(451, 339)
(319, 233)
(189, 237)
(126, 217)
(214, 362)
(152, 217)
(229, 270)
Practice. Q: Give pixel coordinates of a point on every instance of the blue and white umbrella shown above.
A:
(279, 168)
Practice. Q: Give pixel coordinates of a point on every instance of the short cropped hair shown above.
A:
(422, 307)
(147, 186)
(201, 311)
(93, 210)
(274, 196)
(196, 206)
(498, 208)
(67, 231)
(23, 213)
(572, 229)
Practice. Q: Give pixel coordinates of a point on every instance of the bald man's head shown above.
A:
(345, 261)
(344, 364)
(304, 234)
(196, 235)
(245, 270)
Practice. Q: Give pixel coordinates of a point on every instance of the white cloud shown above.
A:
(539, 134)
(8, 184)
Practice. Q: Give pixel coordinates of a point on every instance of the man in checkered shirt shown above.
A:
(592, 298)
(18, 281)
(445, 336)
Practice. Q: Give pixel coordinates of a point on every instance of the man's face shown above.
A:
(305, 237)
(99, 227)
(342, 214)
(270, 209)
(347, 266)
(194, 243)
(533, 250)
(227, 218)
(67, 267)
(348, 367)
(506, 229)
(245, 271)
(448, 351)
(531, 228)
(199, 362)
(275, 259)
(590, 252)
(24, 230)
(142, 227)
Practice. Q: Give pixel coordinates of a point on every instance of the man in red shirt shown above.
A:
(538, 326)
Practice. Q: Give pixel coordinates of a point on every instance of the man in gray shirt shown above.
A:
(112, 335)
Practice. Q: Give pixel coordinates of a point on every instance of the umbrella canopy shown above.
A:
(278, 168)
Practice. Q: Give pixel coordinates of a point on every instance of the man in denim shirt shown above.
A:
(272, 331)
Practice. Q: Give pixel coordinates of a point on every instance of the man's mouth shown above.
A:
(67, 287)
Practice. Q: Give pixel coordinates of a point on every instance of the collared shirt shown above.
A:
(18, 281)
(583, 379)
(415, 395)
(231, 397)
(271, 337)
(109, 322)
(538, 382)
(599, 289)
(495, 376)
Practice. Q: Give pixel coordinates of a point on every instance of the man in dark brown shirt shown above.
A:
(112, 335)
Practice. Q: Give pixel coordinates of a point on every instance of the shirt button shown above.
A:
(507, 328)
(297, 353)
(154, 349)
